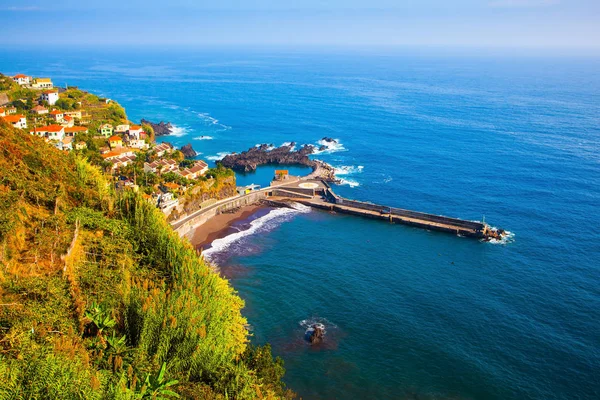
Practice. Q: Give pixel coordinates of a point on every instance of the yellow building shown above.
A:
(115, 142)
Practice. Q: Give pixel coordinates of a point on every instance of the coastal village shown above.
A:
(73, 120)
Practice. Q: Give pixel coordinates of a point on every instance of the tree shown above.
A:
(149, 131)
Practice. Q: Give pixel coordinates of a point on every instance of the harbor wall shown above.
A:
(478, 227)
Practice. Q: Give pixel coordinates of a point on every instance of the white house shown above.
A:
(135, 131)
(162, 149)
(122, 128)
(50, 96)
(16, 120)
(67, 143)
(52, 132)
(22, 79)
(57, 115)
(138, 144)
(161, 166)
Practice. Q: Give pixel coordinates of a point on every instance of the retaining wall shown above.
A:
(211, 211)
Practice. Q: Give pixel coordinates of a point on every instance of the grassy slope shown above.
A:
(97, 293)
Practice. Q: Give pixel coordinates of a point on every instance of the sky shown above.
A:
(549, 24)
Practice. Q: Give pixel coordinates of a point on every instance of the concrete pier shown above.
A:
(318, 194)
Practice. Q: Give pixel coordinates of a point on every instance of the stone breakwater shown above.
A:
(266, 154)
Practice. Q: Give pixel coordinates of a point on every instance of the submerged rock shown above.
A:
(315, 334)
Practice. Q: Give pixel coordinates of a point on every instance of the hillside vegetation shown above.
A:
(100, 299)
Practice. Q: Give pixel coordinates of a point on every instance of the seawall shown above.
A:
(191, 222)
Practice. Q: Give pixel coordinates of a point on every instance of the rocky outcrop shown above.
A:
(188, 151)
(160, 129)
(315, 334)
(264, 154)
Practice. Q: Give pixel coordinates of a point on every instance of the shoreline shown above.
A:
(218, 226)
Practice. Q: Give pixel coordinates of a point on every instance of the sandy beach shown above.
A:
(218, 226)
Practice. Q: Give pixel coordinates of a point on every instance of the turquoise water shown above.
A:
(408, 312)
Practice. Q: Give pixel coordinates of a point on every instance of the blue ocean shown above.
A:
(408, 313)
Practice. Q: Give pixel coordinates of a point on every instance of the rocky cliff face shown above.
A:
(188, 151)
(264, 154)
(161, 128)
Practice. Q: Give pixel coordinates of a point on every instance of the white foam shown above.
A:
(508, 237)
(262, 224)
(179, 131)
(349, 182)
(289, 144)
(218, 157)
(330, 147)
(203, 137)
(213, 121)
(348, 169)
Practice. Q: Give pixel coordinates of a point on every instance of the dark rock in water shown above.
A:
(264, 154)
(188, 151)
(315, 334)
(329, 140)
(160, 129)
(322, 148)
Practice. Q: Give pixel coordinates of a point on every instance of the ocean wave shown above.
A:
(263, 224)
(289, 144)
(509, 237)
(330, 147)
(218, 157)
(213, 121)
(349, 182)
(179, 131)
(322, 323)
(203, 137)
(348, 169)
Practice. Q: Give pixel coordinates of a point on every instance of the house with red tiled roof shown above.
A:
(17, 120)
(22, 79)
(57, 115)
(73, 130)
(50, 96)
(116, 153)
(162, 149)
(52, 132)
(195, 171)
(67, 143)
(135, 131)
(2, 112)
(199, 168)
(161, 166)
(115, 142)
(39, 110)
(68, 121)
